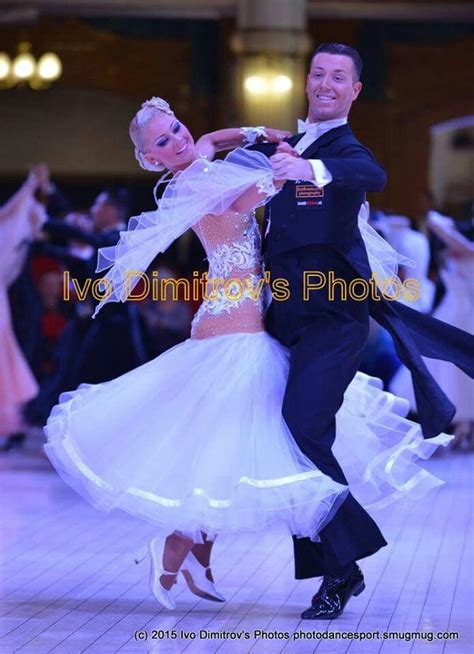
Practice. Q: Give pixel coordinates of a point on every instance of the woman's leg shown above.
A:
(176, 549)
(203, 554)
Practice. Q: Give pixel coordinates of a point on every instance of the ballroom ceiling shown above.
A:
(15, 11)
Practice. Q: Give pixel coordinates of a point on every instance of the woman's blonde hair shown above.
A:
(149, 109)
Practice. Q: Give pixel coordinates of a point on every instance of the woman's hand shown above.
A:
(276, 135)
(21, 200)
(45, 184)
(38, 178)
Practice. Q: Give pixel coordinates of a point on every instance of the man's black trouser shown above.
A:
(326, 339)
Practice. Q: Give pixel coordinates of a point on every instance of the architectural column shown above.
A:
(271, 45)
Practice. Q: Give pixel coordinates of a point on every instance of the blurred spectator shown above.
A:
(167, 320)
(54, 317)
(426, 204)
(187, 254)
(77, 248)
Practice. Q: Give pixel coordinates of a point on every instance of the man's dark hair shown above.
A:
(342, 49)
(119, 197)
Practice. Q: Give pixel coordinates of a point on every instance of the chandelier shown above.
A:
(25, 69)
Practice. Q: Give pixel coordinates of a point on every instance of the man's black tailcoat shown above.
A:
(312, 229)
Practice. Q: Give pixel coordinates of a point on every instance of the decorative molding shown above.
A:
(425, 10)
(215, 9)
(191, 9)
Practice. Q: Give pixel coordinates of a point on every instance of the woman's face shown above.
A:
(168, 142)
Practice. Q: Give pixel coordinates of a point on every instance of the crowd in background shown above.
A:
(49, 343)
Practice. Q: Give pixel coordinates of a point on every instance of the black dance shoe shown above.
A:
(333, 595)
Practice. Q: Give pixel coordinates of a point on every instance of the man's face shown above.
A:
(103, 212)
(331, 87)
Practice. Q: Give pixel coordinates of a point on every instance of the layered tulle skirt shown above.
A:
(195, 441)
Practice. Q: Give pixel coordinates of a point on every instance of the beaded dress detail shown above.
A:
(235, 295)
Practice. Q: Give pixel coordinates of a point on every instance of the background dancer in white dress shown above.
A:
(455, 308)
(20, 222)
(194, 441)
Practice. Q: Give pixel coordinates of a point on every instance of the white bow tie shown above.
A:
(304, 126)
(317, 129)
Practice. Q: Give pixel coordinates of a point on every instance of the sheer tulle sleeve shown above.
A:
(384, 260)
(201, 189)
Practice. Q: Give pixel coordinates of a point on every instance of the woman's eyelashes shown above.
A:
(164, 141)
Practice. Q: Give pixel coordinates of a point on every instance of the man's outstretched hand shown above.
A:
(287, 164)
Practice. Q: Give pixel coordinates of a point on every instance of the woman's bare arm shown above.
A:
(25, 194)
(225, 139)
(232, 137)
(19, 200)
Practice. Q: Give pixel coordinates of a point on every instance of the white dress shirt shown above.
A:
(312, 131)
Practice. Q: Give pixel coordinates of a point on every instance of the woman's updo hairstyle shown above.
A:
(144, 115)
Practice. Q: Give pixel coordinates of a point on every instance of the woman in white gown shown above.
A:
(20, 222)
(194, 441)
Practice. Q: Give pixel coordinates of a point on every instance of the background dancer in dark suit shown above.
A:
(91, 351)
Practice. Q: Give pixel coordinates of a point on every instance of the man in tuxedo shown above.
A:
(311, 225)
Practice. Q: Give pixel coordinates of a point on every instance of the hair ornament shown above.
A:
(158, 103)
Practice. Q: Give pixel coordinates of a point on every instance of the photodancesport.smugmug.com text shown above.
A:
(138, 286)
(295, 636)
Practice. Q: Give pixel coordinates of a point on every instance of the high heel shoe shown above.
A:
(195, 576)
(161, 594)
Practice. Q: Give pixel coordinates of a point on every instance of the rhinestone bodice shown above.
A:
(233, 247)
(238, 251)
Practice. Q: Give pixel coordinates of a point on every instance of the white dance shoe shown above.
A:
(195, 576)
(156, 547)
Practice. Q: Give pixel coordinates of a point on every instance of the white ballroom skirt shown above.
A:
(194, 441)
